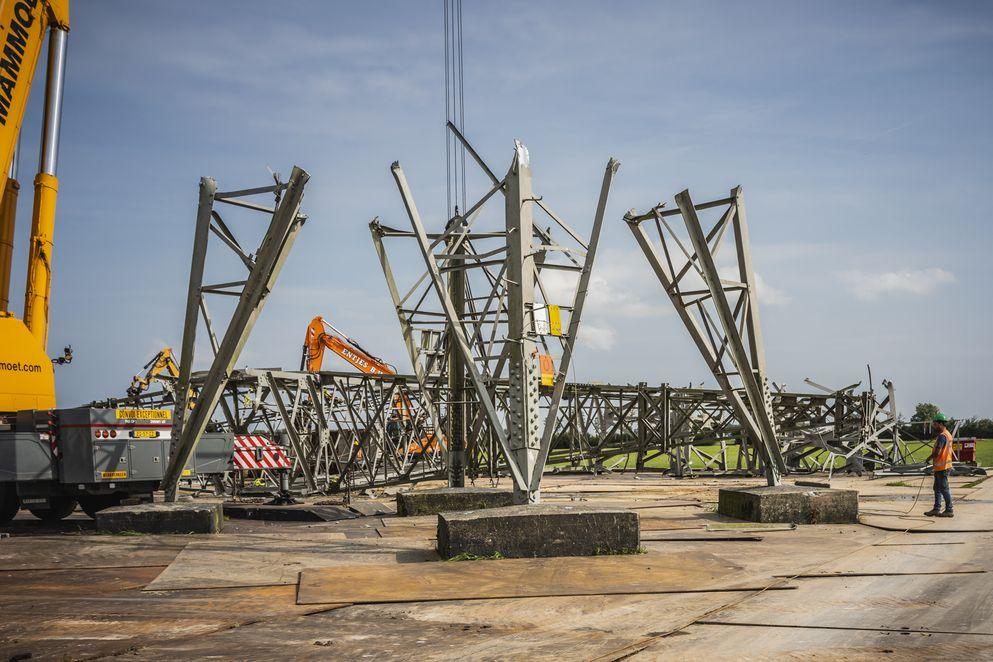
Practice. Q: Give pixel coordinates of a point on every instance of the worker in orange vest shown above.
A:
(941, 459)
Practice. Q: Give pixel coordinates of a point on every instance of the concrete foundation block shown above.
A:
(448, 499)
(538, 530)
(179, 517)
(790, 503)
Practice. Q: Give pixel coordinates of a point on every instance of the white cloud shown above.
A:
(766, 293)
(622, 285)
(597, 337)
(869, 286)
(617, 299)
(769, 295)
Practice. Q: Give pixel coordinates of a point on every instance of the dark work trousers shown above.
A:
(941, 489)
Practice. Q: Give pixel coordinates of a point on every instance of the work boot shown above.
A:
(947, 513)
(934, 512)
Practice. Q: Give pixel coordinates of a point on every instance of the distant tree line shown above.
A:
(981, 428)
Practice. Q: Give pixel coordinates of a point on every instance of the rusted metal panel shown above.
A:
(510, 578)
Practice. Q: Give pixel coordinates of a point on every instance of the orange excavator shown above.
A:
(322, 335)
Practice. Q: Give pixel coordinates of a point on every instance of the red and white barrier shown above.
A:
(258, 452)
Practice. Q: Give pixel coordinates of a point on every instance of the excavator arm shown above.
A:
(161, 364)
(321, 336)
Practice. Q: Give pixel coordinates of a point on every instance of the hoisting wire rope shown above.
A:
(455, 152)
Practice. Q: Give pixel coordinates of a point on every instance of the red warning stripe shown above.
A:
(258, 452)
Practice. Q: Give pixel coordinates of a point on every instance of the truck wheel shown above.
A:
(94, 503)
(59, 507)
(9, 502)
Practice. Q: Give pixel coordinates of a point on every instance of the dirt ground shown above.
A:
(898, 585)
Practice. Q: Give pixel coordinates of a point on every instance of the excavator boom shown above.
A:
(162, 363)
(318, 339)
(320, 336)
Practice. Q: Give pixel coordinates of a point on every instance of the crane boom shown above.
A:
(27, 380)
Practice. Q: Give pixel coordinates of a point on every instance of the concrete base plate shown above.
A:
(538, 530)
(790, 503)
(449, 499)
(179, 517)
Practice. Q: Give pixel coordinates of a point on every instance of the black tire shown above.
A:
(59, 507)
(94, 503)
(9, 502)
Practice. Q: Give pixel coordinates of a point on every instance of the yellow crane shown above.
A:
(27, 379)
(51, 459)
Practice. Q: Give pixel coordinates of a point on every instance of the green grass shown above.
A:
(560, 459)
(984, 452)
(618, 552)
(466, 556)
(919, 452)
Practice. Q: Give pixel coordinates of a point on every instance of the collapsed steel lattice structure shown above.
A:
(719, 311)
(342, 423)
(191, 420)
(479, 322)
(719, 308)
(483, 309)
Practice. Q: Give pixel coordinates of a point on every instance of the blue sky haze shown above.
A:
(860, 132)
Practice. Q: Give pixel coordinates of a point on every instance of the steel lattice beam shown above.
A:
(493, 329)
(284, 226)
(739, 371)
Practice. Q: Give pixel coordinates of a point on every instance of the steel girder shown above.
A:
(720, 313)
(343, 428)
(498, 326)
(263, 268)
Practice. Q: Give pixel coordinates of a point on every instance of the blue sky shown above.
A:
(859, 131)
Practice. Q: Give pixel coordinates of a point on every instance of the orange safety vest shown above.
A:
(943, 459)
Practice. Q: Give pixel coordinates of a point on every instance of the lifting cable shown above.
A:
(455, 152)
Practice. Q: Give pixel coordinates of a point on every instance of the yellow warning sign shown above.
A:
(554, 320)
(143, 414)
(187, 472)
(547, 370)
(113, 474)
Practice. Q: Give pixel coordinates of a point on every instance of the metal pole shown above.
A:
(291, 430)
(456, 371)
(747, 275)
(455, 324)
(579, 302)
(522, 396)
(406, 328)
(642, 400)
(756, 396)
(201, 235)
